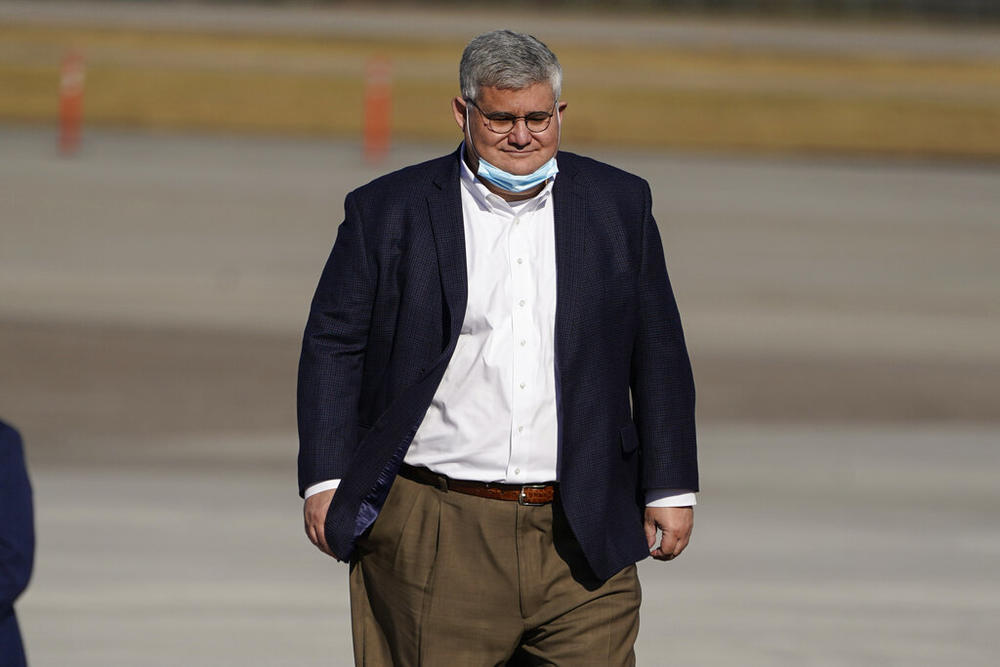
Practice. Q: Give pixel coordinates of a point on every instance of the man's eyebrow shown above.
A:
(510, 113)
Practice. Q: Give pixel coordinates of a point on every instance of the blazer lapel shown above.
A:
(570, 220)
(444, 205)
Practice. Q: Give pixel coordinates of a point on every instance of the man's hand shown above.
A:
(675, 524)
(314, 514)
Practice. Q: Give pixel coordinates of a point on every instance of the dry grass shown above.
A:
(700, 99)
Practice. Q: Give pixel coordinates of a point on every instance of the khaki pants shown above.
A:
(445, 578)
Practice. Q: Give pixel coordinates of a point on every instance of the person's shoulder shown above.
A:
(597, 172)
(10, 445)
(9, 434)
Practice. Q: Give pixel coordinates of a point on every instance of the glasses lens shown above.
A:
(501, 125)
(538, 123)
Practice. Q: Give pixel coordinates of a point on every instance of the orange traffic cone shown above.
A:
(378, 109)
(71, 102)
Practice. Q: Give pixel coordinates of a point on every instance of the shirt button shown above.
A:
(523, 342)
(520, 429)
(521, 302)
(520, 261)
(517, 221)
(517, 471)
(522, 385)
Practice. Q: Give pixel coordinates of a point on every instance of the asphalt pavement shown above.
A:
(842, 319)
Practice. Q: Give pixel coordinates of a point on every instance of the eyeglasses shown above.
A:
(503, 123)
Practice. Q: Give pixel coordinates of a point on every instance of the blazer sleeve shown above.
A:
(17, 529)
(662, 384)
(333, 352)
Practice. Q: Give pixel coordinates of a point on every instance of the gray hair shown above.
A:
(507, 60)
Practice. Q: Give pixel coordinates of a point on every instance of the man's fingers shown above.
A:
(313, 529)
(321, 541)
(313, 536)
(671, 546)
(650, 528)
(317, 535)
(314, 515)
(681, 544)
(666, 549)
(675, 530)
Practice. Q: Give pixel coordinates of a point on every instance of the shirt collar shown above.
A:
(491, 201)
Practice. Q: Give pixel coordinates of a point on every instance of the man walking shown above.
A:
(496, 408)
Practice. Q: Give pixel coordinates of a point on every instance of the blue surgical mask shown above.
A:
(506, 180)
(514, 182)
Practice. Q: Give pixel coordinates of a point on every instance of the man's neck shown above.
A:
(473, 162)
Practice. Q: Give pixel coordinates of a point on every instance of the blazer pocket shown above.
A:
(630, 438)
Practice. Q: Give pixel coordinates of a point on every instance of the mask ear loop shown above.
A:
(558, 126)
(468, 132)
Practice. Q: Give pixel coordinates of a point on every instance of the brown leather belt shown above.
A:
(524, 494)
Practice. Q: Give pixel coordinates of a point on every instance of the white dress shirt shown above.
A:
(493, 417)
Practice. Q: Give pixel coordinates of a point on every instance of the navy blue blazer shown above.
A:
(17, 542)
(387, 314)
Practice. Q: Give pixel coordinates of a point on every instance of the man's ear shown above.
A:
(560, 109)
(458, 109)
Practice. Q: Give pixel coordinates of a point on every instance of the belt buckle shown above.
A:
(522, 497)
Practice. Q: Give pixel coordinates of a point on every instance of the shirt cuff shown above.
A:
(668, 498)
(321, 486)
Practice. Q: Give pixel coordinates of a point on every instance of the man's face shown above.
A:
(518, 151)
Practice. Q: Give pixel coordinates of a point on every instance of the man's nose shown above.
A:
(519, 136)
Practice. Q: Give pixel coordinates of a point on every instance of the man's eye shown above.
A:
(503, 118)
(537, 117)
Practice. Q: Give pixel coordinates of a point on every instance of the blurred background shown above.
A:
(826, 177)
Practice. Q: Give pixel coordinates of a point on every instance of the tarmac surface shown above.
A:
(842, 320)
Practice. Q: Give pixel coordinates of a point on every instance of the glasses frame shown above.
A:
(514, 119)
